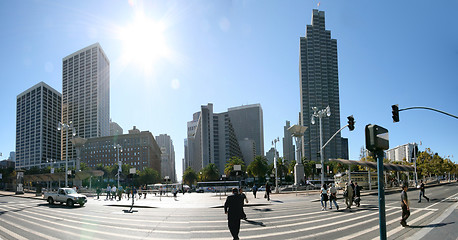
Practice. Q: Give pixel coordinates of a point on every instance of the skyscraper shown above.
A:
(86, 94)
(38, 111)
(216, 137)
(167, 156)
(319, 87)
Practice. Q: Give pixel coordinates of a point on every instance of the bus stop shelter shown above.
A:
(386, 166)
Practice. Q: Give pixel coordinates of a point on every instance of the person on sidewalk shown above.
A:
(422, 191)
(244, 199)
(324, 197)
(98, 191)
(255, 190)
(404, 206)
(233, 207)
(113, 193)
(333, 197)
(348, 194)
(267, 192)
(108, 191)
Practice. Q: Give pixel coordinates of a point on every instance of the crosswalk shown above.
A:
(34, 219)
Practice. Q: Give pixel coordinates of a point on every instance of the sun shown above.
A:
(143, 43)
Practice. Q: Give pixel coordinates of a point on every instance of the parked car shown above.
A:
(66, 195)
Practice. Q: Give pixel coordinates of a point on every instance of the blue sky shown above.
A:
(231, 53)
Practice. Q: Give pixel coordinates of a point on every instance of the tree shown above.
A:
(148, 176)
(258, 168)
(209, 173)
(189, 176)
(229, 168)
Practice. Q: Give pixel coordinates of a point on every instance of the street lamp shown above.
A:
(320, 114)
(274, 142)
(61, 127)
(118, 147)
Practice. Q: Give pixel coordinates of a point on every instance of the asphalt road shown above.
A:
(287, 216)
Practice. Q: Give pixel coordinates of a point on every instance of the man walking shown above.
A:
(333, 197)
(113, 192)
(404, 206)
(267, 192)
(422, 191)
(233, 207)
(108, 191)
(349, 197)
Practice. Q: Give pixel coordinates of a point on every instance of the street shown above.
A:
(200, 216)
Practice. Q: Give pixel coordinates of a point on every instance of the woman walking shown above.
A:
(324, 197)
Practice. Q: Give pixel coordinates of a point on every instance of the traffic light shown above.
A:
(395, 113)
(351, 123)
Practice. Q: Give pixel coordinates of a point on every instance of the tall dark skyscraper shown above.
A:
(319, 82)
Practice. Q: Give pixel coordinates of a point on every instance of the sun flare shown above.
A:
(143, 43)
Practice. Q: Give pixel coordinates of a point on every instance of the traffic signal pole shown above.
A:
(381, 195)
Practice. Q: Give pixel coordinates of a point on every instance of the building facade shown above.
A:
(38, 111)
(167, 156)
(139, 149)
(86, 94)
(401, 153)
(288, 146)
(216, 137)
(115, 129)
(319, 87)
(270, 155)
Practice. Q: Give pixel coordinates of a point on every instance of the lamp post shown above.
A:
(61, 127)
(320, 114)
(274, 142)
(118, 147)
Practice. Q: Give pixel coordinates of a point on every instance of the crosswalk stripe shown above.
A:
(393, 231)
(34, 233)
(12, 234)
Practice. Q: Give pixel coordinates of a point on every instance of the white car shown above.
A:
(66, 195)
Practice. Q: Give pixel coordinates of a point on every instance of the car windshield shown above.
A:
(70, 191)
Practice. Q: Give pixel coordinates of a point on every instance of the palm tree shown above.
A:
(229, 168)
(258, 168)
(189, 176)
(210, 173)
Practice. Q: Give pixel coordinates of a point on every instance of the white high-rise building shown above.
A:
(401, 153)
(38, 111)
(86, 94)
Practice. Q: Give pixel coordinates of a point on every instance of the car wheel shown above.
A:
(70, 203)
(51, 200)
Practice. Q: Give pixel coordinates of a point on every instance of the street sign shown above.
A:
(318, 166)
(132, 170)
(52, 170)
(237, 167)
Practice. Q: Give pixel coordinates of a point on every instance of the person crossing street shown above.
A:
(422, 191)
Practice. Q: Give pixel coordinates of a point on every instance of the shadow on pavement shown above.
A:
(277, 201)
(262, 209)
(255, 223)
(432, 225)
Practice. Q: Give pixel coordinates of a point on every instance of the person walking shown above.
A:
(333, 197)
(404, 206)
(349, 195)
(422, 191)
(244, 199)
(353, 187)
(357, 194)
(233, 207)
(120, 191)
(267, 192)
(98, 192)
(113, 193)
(324, 196)
(108, 191)
(255, 190)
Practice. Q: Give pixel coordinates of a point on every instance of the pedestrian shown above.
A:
(98, 192)
(108, 191)
(422, 191)
(244, 199)
(357, 194)
(405, 206)
(324, 196)
(144, 191)
(255, 190)
(233, 207)
(348, 194)
(174, 192)
(353, 187)
(267, 195)
(134, 192)
(113, 192)
(120, 190)
(333, 197)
